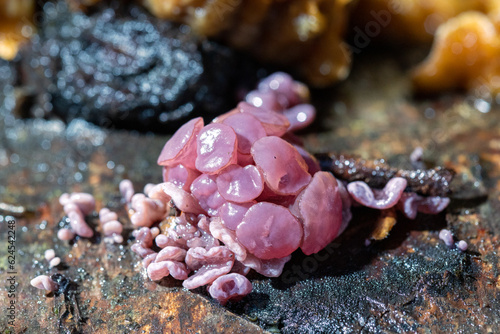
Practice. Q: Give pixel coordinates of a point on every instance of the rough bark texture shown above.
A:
(408, 283)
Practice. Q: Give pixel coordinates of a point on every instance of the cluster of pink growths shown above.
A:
(245, 195)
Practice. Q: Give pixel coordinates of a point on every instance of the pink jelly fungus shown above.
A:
(84, 201)
(288, 91)
(181, 176)
(65, 234)
(148, 187)
(249, 195)
(141, 250)
(378, 199)
(300, 116)
(64, 199)
(205, 190)
(208, 264)
(148, 259)
(71, 207)
(154, 231)
(310, 160)
(158, 270)
(410, 204)
(230, 287)
(268, 268)
(171, 253)
(240, 184)
(274, 124)
(228, 237)
(447, 237)
(106, 215)
(269, 231)
(248, 129)
(112, 227)
(462, 245)
(182, 146)
(232, 214)
(183, 200)
(267, 100)
(144, 237)
(284, 170)
(216, 148)
(126, 190)
(78, 224)
(49, 254)
(319, 206)
(147, 210)
(44, 282)
(54, 262)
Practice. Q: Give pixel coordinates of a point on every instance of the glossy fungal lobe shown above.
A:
(240, 184)
(378, 199)
(248, 129)
(319, 206)
(216, 148)
(284, 170)
(269, 231)
(181, 147)
(230, 287)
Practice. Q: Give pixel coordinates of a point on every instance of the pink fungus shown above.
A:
(284, 170)
(205, 190)
(462, 245)
(126, 190)
(106, 215)
(209, 264)
(182, 199)
(269, 231)
(268, 268)
(248, 130)
(141, 250)
(179, 175)
(64, 199)
(147, 210)
(54, 262)
(112, 227)
(274, 124)
(44, 282)
(65, 234)
(287, 91)
(158, 270)
(300, 116)
(229, 239)
(171, 253)
(410, 204)
(148, 187)
(378, 199)
(230, 287)
(319, 206)
(85, 202)
(182, 146)
(266, 100)
(49, 254)
(232, 214)
(78, 224)
(447, 237)
(216, 148)
(311, 161)
(240, 184)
